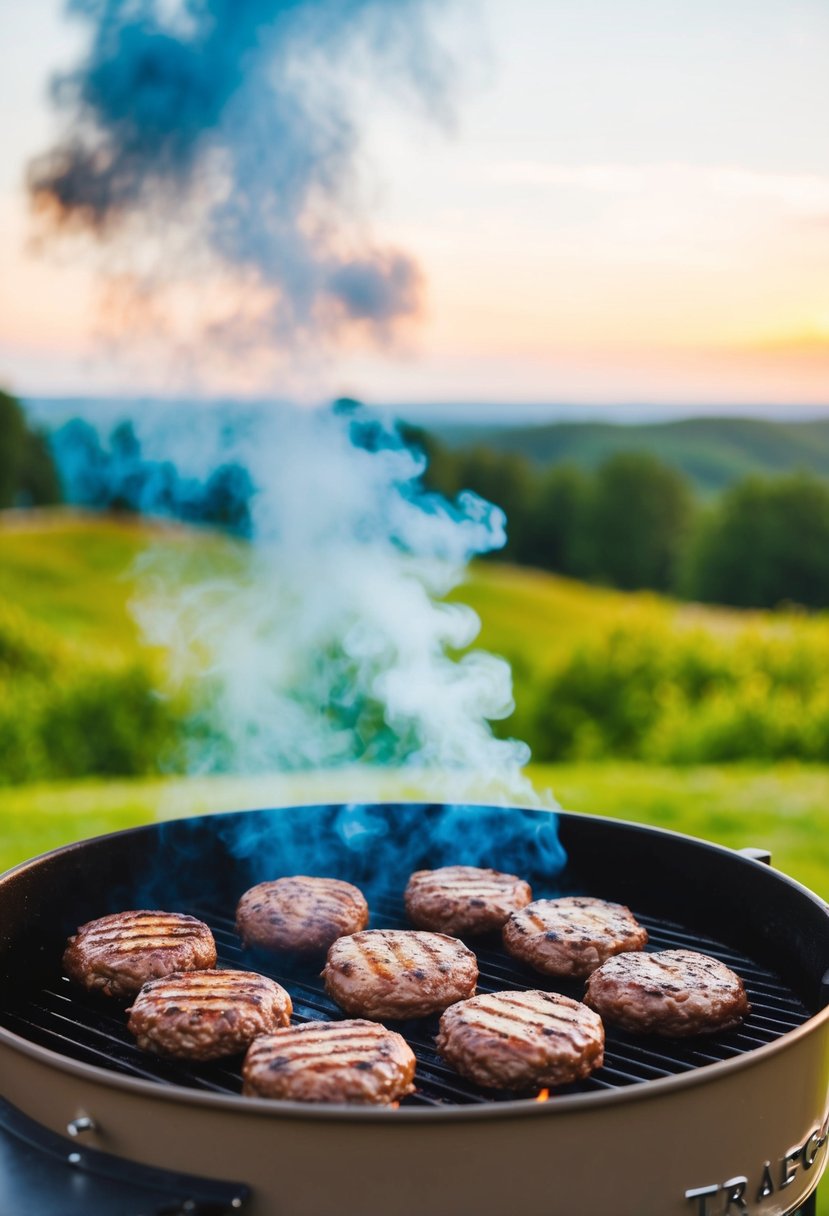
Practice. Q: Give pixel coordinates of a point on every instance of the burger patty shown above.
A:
(571, 936)
(673, 993)
(117, 954)
(464, 899)
(300, 913)
(399, 973)
(521, 1040)
(351, 1061)
(204, 1015)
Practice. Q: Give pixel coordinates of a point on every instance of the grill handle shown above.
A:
(756, 855)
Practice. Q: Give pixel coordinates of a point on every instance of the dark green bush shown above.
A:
(112, 724)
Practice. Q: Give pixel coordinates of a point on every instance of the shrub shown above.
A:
(688, 696)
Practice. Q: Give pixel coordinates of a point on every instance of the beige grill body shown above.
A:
(744, 1134)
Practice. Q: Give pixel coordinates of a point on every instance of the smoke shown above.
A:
(215, 144)
(328, 640)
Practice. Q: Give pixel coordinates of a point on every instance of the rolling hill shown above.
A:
(711, 452)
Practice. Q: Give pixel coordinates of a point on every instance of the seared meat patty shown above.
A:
(464, 899)
(117, 954)
(399, 973)
(521, 1040)
(571, 936)
(353, 1061)
(300, 913)
(204, 1015)
(673, 993)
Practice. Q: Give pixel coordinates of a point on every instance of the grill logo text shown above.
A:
(740, 1194)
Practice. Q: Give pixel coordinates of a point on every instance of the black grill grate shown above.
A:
(92, 1030)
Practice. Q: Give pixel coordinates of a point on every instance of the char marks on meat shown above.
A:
(204, 1015)
(521, 1040)
(571, 936)
(355, 1062)
(117, 954)
(300, 913)
(399, 973)
(675, 993)
(464, 899)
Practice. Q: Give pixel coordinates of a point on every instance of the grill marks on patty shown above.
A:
(399, 973)
(521, 1040)
(571, 936)
(117, 954)
(300, 913)
(354, 1062)
(204, 1015)
(675, 993)
(464, 899)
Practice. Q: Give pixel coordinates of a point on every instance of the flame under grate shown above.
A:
(92, 1030)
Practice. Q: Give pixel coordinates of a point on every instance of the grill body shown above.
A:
(664, 1129)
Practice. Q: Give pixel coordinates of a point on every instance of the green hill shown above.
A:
(712, 452)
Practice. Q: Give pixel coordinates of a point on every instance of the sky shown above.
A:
(629, 203)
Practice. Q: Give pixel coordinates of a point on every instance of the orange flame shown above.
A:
(542, 1095)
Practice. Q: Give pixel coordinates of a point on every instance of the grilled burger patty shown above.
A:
(350, 1061)
(521, 1040)
(300, 913)
(117, 954)
(203, 1015)
(673, 993)
(464, 899)
(571, 936)
(399, 973)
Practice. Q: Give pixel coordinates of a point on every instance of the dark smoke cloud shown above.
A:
(235, 119)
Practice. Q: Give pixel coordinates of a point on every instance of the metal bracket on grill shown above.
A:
(83, 1123)
(38, 1174)
(756, 855)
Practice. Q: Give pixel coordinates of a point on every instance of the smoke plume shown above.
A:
(214, 143)
(328, 640)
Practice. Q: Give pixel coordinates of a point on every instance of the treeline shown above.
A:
(636, 524)
(28, 476)
(115, 474)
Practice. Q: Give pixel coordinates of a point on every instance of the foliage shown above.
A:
(639, 519)
(712, 453)
(27, 471)
(688, 696)
(62, 716)
(598, 673)
(116, 475)
(766, 543)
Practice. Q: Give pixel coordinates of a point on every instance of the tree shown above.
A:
(765, 543)
(640, 519)
(27, 471)
(556, 518)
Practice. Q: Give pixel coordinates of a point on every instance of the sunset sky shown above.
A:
(629, 203)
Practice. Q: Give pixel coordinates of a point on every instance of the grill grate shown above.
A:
(92, 1030)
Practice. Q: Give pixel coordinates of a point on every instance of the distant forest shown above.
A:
(712, 453)
(627, 506)
(636, 522)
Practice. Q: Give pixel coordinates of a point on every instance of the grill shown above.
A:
(741, 1102)
(89, 1029)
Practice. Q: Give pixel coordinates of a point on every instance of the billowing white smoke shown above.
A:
(331, 642)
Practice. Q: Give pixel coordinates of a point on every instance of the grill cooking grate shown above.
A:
(93, 1030)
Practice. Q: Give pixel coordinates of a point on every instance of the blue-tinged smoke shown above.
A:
(328, 640)
(225, 132)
